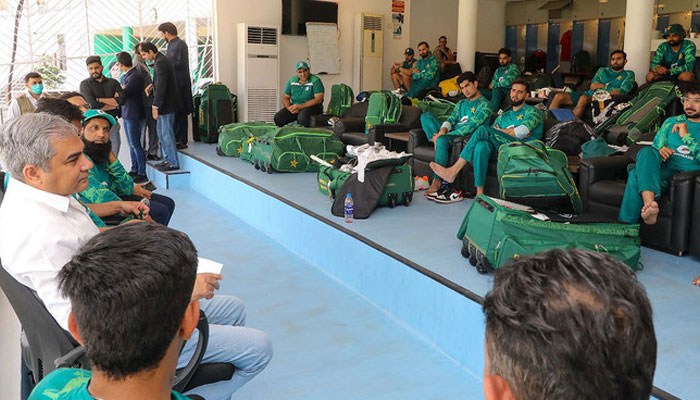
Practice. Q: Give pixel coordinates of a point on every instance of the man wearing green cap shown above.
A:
(26, 101)
(674, 58)
(108, 180)
(303, 97)
(426, 71)
(401, 72)
(676, 148)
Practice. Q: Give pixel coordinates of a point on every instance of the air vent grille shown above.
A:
(260, 35)
(262, 104)
(372, 23)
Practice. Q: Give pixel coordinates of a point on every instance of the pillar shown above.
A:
(639, 20)
(466, 33)
(128, 39)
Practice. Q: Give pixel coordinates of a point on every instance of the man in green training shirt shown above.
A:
(468, 115)
(426, 71)
(502, 79)
(522, 123)
(401, 72)
(303, 97)
(134, 303)
(676, 148)
(613, 79)
(674, 58)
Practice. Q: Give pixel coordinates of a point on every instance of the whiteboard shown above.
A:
(323, 48)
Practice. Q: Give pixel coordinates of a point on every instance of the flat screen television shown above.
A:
(296, 13)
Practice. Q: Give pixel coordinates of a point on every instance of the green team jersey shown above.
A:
(428, 75)
(504, 76)
(681, 61)
(408, 64)
(686, 150)
(622, 80)
(71, 384)
(527, 115)
(301, 93)
(468, 115)
(107, 183)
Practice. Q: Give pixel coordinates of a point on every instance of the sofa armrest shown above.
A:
(603, 168)
(622, 98)
(376, 132)
(352, 124)
(320, 120)
(416, 137)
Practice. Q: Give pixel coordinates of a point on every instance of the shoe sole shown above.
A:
(448, 201)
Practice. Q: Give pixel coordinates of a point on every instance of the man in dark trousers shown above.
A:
(179, 57)
(105, 94)
(149, 141)
(166, 102)
(133, 115)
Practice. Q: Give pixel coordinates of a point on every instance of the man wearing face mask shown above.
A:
(25, 102)
(108, 180)
(521, 123)
(425, 72)
(103, 93)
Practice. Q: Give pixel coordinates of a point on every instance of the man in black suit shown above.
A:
(166, 102)
(148, 141)
(179, 57)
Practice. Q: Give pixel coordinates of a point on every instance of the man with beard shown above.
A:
(401, 72)
(676, 148)
(502, 79)
(179, 57)
(675, 58)
(468, 115)
(108, 180)
(522, 123)
(425, 72)
(103, 93)
(614, 80)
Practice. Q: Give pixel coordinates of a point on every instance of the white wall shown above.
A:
(431, 19)
(228, 13)
(491, 30)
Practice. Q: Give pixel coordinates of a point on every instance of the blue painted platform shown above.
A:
(406, 261)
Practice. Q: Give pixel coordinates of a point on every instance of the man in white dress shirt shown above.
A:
(42, 226)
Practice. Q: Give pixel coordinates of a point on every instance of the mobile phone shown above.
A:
(150, 186)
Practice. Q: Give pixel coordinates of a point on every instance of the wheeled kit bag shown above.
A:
(288, 149)
(232, 137)
(397, 190)
(215, 109)
(494, 232)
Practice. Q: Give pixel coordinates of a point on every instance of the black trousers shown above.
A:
(149, 135)
(283, 116)
(181, 126)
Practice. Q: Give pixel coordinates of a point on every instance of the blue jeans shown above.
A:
(166, 135)
(249, 350)
(115, 137)
(133, 136)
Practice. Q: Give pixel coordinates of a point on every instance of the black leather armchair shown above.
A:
(351, 130)
(695, 222)
(602, 184)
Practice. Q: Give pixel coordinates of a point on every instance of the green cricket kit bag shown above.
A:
(341, 100)
(196, 101)
(532, 174)
(288, 149)
(215, 110)
(645, 114)
(495, 231)
(441, 109)
(398, 188)
(384, 108)
(233, 136)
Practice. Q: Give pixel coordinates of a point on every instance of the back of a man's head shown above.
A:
(570, 324)
(129, 288)
(59, 107)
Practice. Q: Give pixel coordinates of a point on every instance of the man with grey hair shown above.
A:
(41, 224)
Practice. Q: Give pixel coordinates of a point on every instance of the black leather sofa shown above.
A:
(351, 128)
(695, 222)
(602, 184)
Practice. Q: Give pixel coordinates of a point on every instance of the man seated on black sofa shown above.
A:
(676, 148)
(303, 97)
(468, 115)
(134, 326)
(502, 79)
(401, 73)
(568, 324)
(613, 79)
(521, 123)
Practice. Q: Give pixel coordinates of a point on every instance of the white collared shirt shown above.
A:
(14, 111)
(39, 233)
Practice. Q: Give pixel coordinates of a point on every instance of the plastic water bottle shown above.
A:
(349, 208)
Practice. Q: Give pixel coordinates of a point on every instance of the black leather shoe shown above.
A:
(140, 178)
(160, 164)
(152, 157)
(181, 146)
(166, 167)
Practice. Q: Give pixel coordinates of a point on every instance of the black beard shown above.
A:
(517, 104)
(98, 152)
(617, 69)
(690, 115)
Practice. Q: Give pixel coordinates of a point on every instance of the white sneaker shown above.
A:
(449, 196)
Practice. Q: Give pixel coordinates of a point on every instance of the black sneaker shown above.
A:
(451, 195)
(166, 167)
(434, 195)
(152, 157)
(139, 178)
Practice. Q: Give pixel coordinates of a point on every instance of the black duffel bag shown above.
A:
(568, 136)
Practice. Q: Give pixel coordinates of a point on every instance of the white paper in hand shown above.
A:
(205, 266)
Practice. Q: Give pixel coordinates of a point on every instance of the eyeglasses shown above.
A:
(694, 100)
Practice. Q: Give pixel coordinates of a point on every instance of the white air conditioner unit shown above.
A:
(258, 72)
(368, 48)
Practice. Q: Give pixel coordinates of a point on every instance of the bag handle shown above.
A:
(543, 154)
